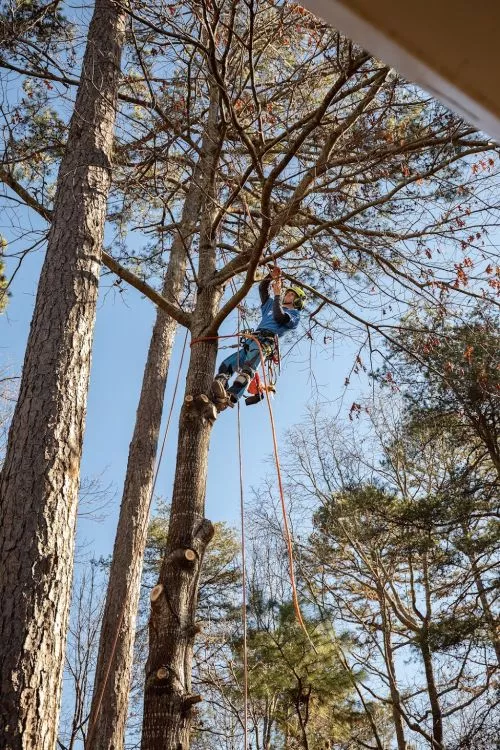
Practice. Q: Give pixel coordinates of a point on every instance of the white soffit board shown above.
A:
(449, 47)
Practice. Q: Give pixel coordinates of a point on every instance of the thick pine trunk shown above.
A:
(39, 482)
(168, 701)
(108, 713)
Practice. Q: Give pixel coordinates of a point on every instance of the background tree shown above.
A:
(81, 652)
(8, 392)
(460, 377)
(388, 556)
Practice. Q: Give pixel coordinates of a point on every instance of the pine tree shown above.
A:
(40, 477)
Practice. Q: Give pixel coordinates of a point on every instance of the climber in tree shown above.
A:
(278, 317)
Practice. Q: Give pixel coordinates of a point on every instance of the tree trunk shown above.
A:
(423, 641)
(114, 663)
(167, 697)
(437, 716)
(391, 670)
(39, 482)
(108, 714)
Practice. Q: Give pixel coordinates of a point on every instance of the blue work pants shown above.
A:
(246, 360)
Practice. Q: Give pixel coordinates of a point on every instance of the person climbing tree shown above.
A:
(278, 317)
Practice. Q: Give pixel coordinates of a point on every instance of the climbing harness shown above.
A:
(269, 343)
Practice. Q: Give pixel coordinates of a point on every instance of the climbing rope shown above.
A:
(150, 502)
(286, 528)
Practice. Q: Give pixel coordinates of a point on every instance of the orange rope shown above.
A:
(287, 535)
(90, 734)
(244, 574)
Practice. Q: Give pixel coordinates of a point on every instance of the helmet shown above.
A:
(300, 296)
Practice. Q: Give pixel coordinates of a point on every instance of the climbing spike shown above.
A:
(183, 557)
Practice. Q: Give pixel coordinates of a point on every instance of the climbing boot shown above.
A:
(218, 389)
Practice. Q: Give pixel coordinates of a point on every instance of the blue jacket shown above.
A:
(274, 317)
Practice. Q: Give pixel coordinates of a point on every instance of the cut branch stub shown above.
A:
(205, 532)
(194, 630)
(185, 558)
(201, 406)
(162, 673)
(206, 408)
(155, 594)
(191, 700)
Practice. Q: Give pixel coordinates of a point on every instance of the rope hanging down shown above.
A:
(287, 535)
(244, 573)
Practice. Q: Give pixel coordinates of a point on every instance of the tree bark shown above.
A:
(40, 479)
(114, 663)
(437, 716)
(168, 701)
(108, 713)
(391, 670)
(423, 641)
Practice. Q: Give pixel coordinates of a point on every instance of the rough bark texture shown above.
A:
(39, 482)
(114, 664)
(113, 672)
